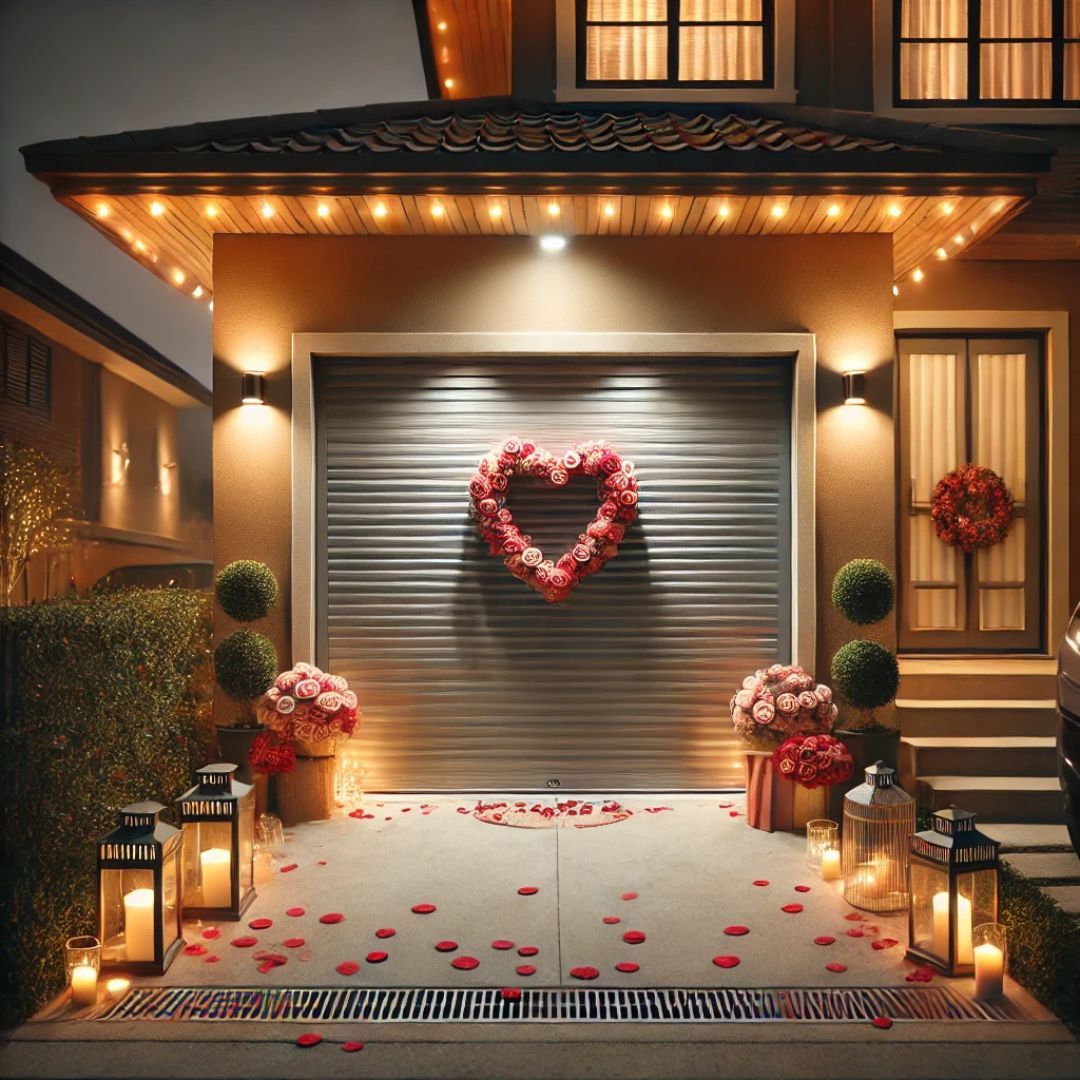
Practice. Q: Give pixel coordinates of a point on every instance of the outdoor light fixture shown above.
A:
(552, 242)
(217, 818)
(953, 882)
(854, 387)
(139, 891)
(253, 388)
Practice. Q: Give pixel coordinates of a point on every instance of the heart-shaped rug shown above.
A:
(616, 491)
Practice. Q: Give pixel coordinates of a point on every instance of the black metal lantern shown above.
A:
(139, 891)
(953, 883)
(217, 817)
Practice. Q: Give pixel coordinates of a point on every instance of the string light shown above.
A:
(267, 210)
(211, 210)
(102, 210)
(554, 209)
(211, 305)
(437, 209)
(896, 290)
(157, 209)
(941, 253)
(448, 83)
(947, 208)
(178, 277)
(323, 210)
(958, 239)
(379, 210)
(139, 245)
(917, 275)
(441, 26)
(197, 291)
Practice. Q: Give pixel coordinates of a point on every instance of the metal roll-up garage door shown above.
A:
(467, 678)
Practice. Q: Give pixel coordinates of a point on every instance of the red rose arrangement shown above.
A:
(971, 508)
(814, 761)
(616, 490)
(304, 703)
(780, 701)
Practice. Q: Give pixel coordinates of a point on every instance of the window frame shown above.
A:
(39, 370)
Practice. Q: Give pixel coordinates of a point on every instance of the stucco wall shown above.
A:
(838, 288)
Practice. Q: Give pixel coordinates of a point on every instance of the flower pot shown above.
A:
(775, 804)
(307, 793)
(866, 747)
(234, 745)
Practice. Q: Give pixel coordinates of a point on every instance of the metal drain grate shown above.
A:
(553, 1006)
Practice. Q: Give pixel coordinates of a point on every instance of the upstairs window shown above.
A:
(987, 52)
(675, 43)
(27, 369)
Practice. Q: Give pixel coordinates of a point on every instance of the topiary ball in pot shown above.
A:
(245, 664)
(863, 591)
(865, 674)
(247, 590)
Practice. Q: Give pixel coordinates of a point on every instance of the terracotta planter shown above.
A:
(866, 747)
(307, 793)
(774, 804)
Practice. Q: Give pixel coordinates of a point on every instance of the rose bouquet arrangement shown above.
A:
(304, 703)
(814, 760)
(780, 701)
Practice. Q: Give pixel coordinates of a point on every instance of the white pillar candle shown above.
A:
(139, 924)
(84, 985)
(989, 972)
(830, 864)
(216, 878)
(963, 927)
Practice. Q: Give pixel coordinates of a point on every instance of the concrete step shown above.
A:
(967, 717)
(1018, 837)
(1009, 679)
(1006, 755)
(1041, 867)
(1027, 799)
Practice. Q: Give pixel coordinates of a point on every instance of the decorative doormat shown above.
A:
(568, 813)
(666, 1006)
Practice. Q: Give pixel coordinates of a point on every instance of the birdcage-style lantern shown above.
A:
(139, 891)
(217, 817)
(879, 821)
(954, 888)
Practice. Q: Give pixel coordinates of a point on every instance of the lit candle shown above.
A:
(989, 971)
(117, 988)
(216, 878)
(139, 924)
(963, 927)
(84, 985)
(830, 864)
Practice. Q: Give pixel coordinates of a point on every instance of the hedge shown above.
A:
(106, 702)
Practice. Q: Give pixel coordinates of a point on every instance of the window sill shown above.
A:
(778, 94)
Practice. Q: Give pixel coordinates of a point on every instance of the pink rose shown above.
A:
(823, 693)
(512, 446)
(609, 509)
(287, 680)
(808, 700)
(488, 507)
(330, 702)
(787, 766)
(628, 498)
(348, 699)
(499, 481)
(749, 682)
(743, 699)
(571, 460)
(559, 476)
(581, 553)
(532, 557)
(285, 704)
(763, 712)
(479, 488)
(787, 704)
(611, 463)
(307, 688)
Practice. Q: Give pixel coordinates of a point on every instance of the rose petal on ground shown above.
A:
(352, 1046)
(385, 932)
(633, 937)
(802, 888)
(871, 929)
(377, 957)
(733, 813)
(271, 959)
(724, 805)
(920, 974)
(855, 933)
(423, 909)
(261, 924)
(824, 940)
(264, 968)
(882, 1022)
(244, 942)
(347, 967)
(510, 993)
(611, 920)
(446, 946)
(213, 958)
(528, 890)
(836, 967)
(332, 917)
(309, 1038)
(195, 949)
(502, 944)
(726, 961)
(288, 869)
(465, 963)
(584, 972)
(792, 909)
(528, 950)
(853, 916)
(629, 896)
(294, 912)
(293, 942)
(736, 931)
(525, 969)
(761, 883)
(211, 933)
(884, 943)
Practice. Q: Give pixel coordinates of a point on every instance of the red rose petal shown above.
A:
(792, 909)
(584, 973)
(882, 1022)
(884, 943)
(525, 969)
(244, 942)
(295, 912)
(261, 924)
(761, 882)
(332, 917)
(871, 929)
(733, 813)
(446, 946)
(288, 869)
(802, 888)
(377, 957)
(528, 890)
(465, 963)
(510, 993)
(528, 950)
(195, 950)
(293, 942)
(611, 920)
(271, 960)
(836, 967)
(853, 916)
(724, 805)
(824, 940)
(264, 968)
(629, 896)
(726, 961)
(352, 1046)
(211, 933)
(309, 1038)
(920, 974)
(633, 937)
(502, 945)
(855, 933)
(213, 958)
(347, 967)
(385, 932)
(628, 967)
(736, 931)
(423, 909)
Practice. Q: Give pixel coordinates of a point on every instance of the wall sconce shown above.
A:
(121, 462)
(253, 388)
(854, 387)
(165, 480)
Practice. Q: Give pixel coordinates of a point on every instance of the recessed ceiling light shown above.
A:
(917, 275)
(379, 210)
(178, 276)
(778, 210)
(267, 210)
(553, 208)
(947, 207)
(609, 209)
(323, 210)
(157, 209)
(102, 210)
(894, 210)
(552, 242)
(437, 209)
(211, 210)
(724, 211)
(495, 211)
(834, 210)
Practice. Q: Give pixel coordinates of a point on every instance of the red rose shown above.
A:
(479, 487)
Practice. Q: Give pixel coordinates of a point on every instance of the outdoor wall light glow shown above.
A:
(552, 242)
(253, 388)
(854, 387)
(121, 462)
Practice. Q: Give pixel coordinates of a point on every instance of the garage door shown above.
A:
(467, 678)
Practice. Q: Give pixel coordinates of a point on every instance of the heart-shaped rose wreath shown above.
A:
(616, 490)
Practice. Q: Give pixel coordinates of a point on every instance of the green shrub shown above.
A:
(865, 674)
(247, 590)
(245, 664)
(106, 702)
(863, 591)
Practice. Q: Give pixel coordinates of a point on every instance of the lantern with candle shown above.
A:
(217, 817)
(879, 821)
(954, 888)
(82, 961)
(139, 891)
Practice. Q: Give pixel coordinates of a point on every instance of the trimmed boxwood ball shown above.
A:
(245, 664)
(865, 674)
(247, 590)
(863, 591)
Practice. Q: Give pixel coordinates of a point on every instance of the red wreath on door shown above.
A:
(971, 508)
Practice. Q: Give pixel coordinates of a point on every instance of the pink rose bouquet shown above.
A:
(778, 702)
(814, 761)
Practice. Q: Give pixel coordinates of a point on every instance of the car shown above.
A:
(179, 575)
(1068, 733)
